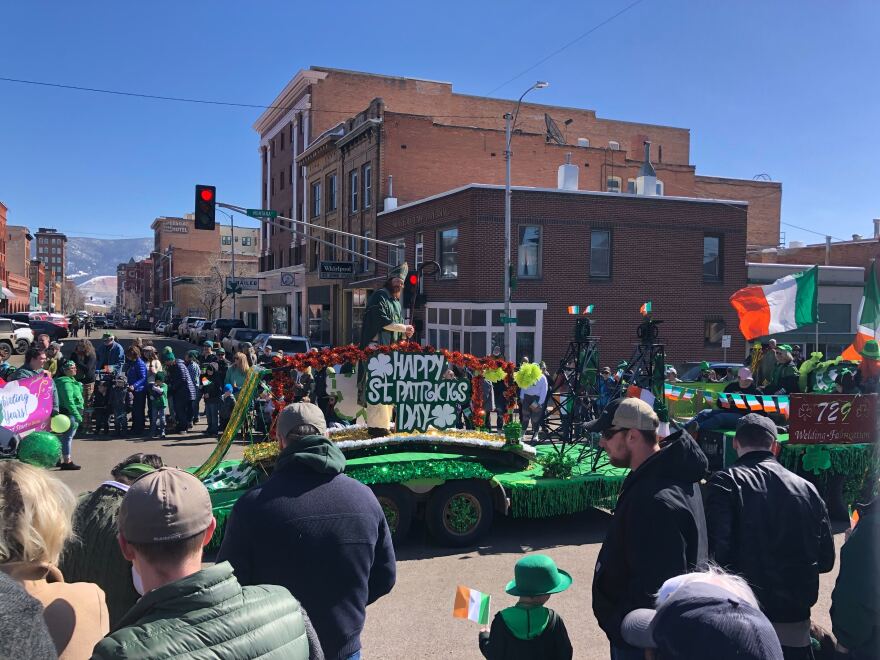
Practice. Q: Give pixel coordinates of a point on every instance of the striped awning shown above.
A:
(6, 294)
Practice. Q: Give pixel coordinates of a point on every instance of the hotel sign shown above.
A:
(175, 227)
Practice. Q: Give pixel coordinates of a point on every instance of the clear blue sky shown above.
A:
(788, 88)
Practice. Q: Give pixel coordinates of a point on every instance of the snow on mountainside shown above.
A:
(101, 289)
(89, 258)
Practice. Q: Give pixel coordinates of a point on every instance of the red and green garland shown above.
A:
(283, 384)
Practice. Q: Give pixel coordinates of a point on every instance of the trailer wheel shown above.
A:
(459, 512)
(397, 505)
(5, 350)
(21, 346)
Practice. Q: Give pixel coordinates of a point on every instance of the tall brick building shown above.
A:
(18, 255)
(576, 248)
(333, 140)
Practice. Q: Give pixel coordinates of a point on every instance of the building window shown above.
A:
(529, 252)
(397, 255)
(613, 184)
(353, 187)
(711, 258)
(659, 187)
(247, 241)
(447, 243)
(420, 250)
(614, 145)
(368, 185)
(226, 240)
(713, 331)
(600, 253)
(316, 199)
(367, 251)
(331, 192)
(631, 186)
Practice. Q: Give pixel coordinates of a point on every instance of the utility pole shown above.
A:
(508, 354)
(232, 228)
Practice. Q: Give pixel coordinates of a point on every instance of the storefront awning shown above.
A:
(6, 294)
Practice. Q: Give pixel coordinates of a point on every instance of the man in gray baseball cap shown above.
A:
(309, 514)
(658, 529)
(165, 520)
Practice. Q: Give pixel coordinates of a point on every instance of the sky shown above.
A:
(786, 88)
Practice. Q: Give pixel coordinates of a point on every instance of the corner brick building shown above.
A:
(577, 248)
(336, 145)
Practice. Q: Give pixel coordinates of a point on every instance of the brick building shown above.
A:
(342, 135)
(857, 252)
(576, 248)
(38, 283)
(52, 251)
(18, 255)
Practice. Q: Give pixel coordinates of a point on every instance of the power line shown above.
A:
(568, 45)
(811, 231)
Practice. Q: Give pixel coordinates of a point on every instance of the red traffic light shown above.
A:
(413, 279)
(206, 194)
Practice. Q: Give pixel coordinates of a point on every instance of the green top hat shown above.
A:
(537, 575)
(400, 271)
(704, 366)
(871, 350)
(107, 335)
(783, 347)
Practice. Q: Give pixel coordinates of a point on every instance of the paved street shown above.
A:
(415, 620)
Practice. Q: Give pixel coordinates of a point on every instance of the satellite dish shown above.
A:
(553, 132)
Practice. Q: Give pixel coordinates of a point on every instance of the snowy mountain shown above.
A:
(89, 258)
(100, 290)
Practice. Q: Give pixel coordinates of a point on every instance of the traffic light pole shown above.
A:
(232, 229)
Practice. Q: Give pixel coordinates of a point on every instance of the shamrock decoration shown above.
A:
(444, 416)
(816, 459)
(380, 365)
(805, 411)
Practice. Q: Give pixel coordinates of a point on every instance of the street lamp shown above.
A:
(170, 253)
(509, 126)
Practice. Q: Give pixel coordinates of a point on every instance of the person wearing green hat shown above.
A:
(785, 377)
(70, 403)
(383, 324)
(528, 629)
(707, 373)
(868, 376)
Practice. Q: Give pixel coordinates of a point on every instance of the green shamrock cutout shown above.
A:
(816, 459)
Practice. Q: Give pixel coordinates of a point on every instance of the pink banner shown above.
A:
(26, 405)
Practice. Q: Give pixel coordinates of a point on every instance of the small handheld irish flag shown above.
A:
(578, 309)
(471, 604)
(645, 309)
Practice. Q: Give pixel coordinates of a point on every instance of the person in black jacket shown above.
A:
(528, 630)
(308, 514)
(771, 527)
(659, 527)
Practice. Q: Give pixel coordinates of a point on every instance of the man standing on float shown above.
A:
(383, 324)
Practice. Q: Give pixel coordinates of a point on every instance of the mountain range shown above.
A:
(88, 258)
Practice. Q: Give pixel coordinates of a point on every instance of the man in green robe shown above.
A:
(383, 324)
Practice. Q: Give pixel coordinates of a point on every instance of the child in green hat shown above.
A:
(528, 629)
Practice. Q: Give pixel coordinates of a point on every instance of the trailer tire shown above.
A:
(397, 505)
(5, 350)
(21, 346)
(459, 512)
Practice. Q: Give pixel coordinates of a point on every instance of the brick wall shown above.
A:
(649, 262)
(764, 198)
(843, 253)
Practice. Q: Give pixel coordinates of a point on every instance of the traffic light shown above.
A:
(206, 206)
(410, 290)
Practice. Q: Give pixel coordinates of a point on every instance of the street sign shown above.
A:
(725, 341)
(244, 283)
(336, 270)
(508, 319)
(262, 213)
(233, 287)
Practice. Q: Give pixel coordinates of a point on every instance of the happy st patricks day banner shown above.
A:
(416, 384)
(26, 405)
(734, 401)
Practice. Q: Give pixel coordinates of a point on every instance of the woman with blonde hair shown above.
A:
(237, 373)
(36, 509)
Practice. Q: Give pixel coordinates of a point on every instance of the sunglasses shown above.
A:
(607, 434)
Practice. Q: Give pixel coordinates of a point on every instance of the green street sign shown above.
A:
(508, 319)
(233, 287)
(262, 213)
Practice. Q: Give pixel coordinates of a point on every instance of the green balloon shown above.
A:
(40, 448)
(60, 423)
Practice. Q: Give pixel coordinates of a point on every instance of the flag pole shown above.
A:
(817, 308)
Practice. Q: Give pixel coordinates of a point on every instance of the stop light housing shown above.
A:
(410, 290)
(206, 207)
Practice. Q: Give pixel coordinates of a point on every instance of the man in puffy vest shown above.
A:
(164, 522)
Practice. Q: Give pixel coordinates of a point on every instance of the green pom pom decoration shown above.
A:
(527, 375)
(40, 448)
(494, 375)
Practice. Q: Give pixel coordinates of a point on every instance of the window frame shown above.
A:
(616, 179)
(397, 254)
(315, 196)
(610, 249)
(367, 251)
(519, 252)
(332, 192)
(440, 252)
(706, 332)
(367, 175)
(719, 276)
(353, 183)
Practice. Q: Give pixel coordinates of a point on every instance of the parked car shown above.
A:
(100, 321)
(24, 336)
(59, 319)
(160, 327)
(143, 324)
(185, 323)
(171, 328)
(9, 340)
(223, 326)
(236, 336)
(203, 332)
(55, 331)
(20, 317)
(39, 316)
(287, 344)
(192, 331)
(689, 372)
(110, 324)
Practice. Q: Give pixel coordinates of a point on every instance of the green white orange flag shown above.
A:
(786, 304)
(471, 604)
(869, 318)
(645, 309)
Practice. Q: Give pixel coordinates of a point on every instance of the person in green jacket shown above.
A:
(786, 377)
(855, 601)
(93, 554)
(70, 403)
(165, 521)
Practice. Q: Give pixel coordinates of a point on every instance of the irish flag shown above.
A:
(786, 304)
(471, 604)
(869, 318)
(645, 309)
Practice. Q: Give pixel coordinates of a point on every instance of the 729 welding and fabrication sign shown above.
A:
(415, 383)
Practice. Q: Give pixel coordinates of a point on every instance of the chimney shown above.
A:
(876, 227)
(857, 237)
(567, 175)
(391, 200)
(646, 181)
